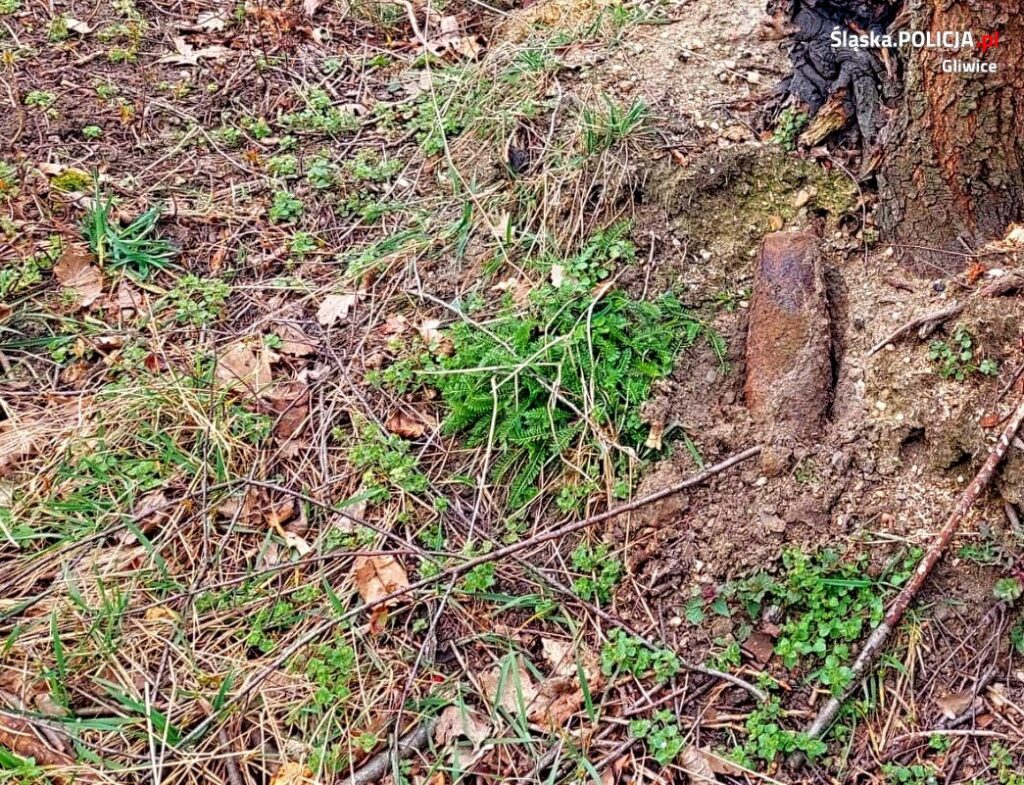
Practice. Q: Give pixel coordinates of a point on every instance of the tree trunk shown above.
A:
(952, 172)
(948, 148)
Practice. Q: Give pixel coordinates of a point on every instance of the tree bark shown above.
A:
(947, 148)
(952, 170)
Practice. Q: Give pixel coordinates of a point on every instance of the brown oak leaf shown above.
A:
(334, 308)
(75, 271)
(245, 364)
(378, 576)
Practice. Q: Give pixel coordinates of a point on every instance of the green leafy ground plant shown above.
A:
(559, 388)
(957, 358)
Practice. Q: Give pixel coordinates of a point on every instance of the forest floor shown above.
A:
(318, 318)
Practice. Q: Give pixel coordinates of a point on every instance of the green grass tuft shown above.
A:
(132, 247)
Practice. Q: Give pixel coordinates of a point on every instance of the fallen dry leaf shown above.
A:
(505, 689)
(280, 513)
(294, 341)
(560, 656)
(451, 39)
(77, 26)
(245, 363)
(991, 419)
(554, 711)
(406, 426)
(954, 704)
(759, 646)
(245, 509)
(213, 21)
(185, 54)
(1014, 237)
(74, 375)
(520, 289)
(161, 613)
(505, 285)
(720, 765)
(76, 271)
(150, 513)
(378, 576)
(292, 773)
(296, 542)
(557, 275)
(696, 766)
(311, 6)
(430, 331)
(395, 324)
(334, 308)
(290, 402)
(127, 298)
(560, 696)
(24, 436)
(460, 722)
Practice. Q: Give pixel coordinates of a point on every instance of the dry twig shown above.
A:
(877, 640)
(928, 322)
(375, 768)
(460, 569)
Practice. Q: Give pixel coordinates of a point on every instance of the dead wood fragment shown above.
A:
(876, 642)
(375, 768)
(832, 117)
(927, 322)
(1005, 284)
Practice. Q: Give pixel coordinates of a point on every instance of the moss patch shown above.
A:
(71, 180)
(729, 199)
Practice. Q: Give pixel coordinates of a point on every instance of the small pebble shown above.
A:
(804, 196)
